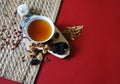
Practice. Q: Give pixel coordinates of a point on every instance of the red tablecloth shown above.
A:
(95, 56)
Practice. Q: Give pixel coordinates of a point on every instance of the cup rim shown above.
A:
(40, 17)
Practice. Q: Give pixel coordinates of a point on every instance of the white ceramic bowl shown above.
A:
(37, 17)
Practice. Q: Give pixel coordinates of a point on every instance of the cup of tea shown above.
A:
(40, 29)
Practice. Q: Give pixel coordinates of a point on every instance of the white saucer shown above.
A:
(61, 38)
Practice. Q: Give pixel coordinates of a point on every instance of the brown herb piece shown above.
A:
(34, 56)
(72, 32)
(34, 44)
(16, 33)
(2, 44)
(29, 51)
(14, 37)
(46, 48)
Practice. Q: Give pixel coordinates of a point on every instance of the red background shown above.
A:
(95, 55)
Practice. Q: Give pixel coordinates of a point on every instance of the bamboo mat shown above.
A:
(14, 65)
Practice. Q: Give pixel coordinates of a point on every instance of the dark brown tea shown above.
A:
(39, 30)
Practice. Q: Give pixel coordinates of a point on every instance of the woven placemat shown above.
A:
(14, 65)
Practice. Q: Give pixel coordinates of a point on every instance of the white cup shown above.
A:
(37, 17)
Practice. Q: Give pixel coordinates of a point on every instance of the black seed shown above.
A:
(19, 31)
(47, 59)
(15, 12)
(56, 35)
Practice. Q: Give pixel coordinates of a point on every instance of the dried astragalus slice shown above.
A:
(40, 54)
(46, 47)
(30, 54)
(44, 51)
(72, 32)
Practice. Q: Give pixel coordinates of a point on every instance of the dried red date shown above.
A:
(3, 30)
(4, 26)
(9, 36)
(14, 29)
(19, 31)
(2, 44)
(17, 43)
(15, 12)
(16, 33)
(7, 42)
(13, 43)
(12, 40)
(6, 15)
(2, 37)
(23, 58)
(1, 48)
(20, 27)
(14, 37)
(14, 22)
(13, 48)
(19, 35)
(1, 34)
(13, 19)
